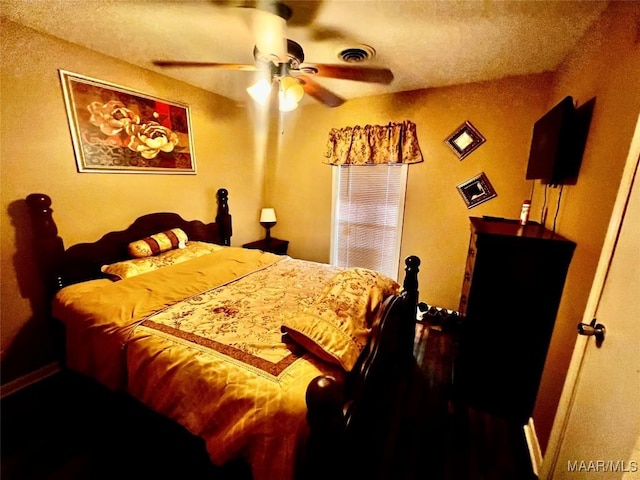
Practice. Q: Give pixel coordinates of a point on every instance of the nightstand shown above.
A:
(273, 245)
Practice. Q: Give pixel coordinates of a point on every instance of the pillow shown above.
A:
(131, 268)
(158, 243)
(337, 326)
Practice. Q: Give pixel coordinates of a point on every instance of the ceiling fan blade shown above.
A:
(270, 32)
(303, 12)
(297, 13)
(317, 91)
(360, 74)
(226, 66)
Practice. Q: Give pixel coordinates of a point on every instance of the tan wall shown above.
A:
(37, 156)
(436, 226)
(607, 67)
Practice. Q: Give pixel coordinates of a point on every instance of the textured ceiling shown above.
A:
(426, 43)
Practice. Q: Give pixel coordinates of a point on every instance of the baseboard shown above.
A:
(535, 453)
(18, 384)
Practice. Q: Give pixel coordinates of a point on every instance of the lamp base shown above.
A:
(267, 226)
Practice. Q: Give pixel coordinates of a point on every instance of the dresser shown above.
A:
(511, 291)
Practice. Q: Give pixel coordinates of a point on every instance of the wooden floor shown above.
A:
(70, 429)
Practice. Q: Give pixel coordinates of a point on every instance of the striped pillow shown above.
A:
(158, 243)
(137, 266)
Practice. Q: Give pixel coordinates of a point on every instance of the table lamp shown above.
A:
(268, 220)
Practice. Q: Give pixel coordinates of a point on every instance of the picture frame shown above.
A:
(476, 190)
(118, 130)
(464, 140)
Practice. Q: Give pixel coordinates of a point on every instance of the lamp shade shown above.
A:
(260, 91)
(267, 215)
(291, 89)
(290, 94)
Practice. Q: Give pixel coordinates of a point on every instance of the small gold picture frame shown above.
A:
(476, 190)
(464, 140)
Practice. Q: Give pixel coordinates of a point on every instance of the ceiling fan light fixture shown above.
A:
(291, 89)
(289, 94)
(286, 104)
(260, 91)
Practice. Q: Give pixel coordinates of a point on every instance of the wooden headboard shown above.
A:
(82, 261)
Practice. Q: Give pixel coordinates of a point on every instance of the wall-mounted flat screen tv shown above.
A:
(558, 142)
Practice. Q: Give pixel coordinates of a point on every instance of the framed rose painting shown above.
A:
(116, 130)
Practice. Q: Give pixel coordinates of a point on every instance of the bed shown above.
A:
(291, 365)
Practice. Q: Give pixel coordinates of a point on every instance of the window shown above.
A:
(368, 211)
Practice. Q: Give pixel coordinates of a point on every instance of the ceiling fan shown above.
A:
(280, 61)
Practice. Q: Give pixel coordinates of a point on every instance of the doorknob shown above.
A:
(593, 329)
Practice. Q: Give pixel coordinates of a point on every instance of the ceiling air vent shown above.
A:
(357, 54)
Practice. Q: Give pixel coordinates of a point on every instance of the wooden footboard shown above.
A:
(357, 417)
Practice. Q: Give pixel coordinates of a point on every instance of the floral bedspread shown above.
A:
(201, 343)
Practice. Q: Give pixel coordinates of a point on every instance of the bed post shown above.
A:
(223, 219)
(410, 287)
(322, 448)
(48, 246)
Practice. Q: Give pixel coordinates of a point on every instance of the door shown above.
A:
(596, 433)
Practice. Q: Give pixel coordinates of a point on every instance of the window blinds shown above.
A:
(367, 216)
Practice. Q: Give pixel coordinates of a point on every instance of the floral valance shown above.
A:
(374, 144)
